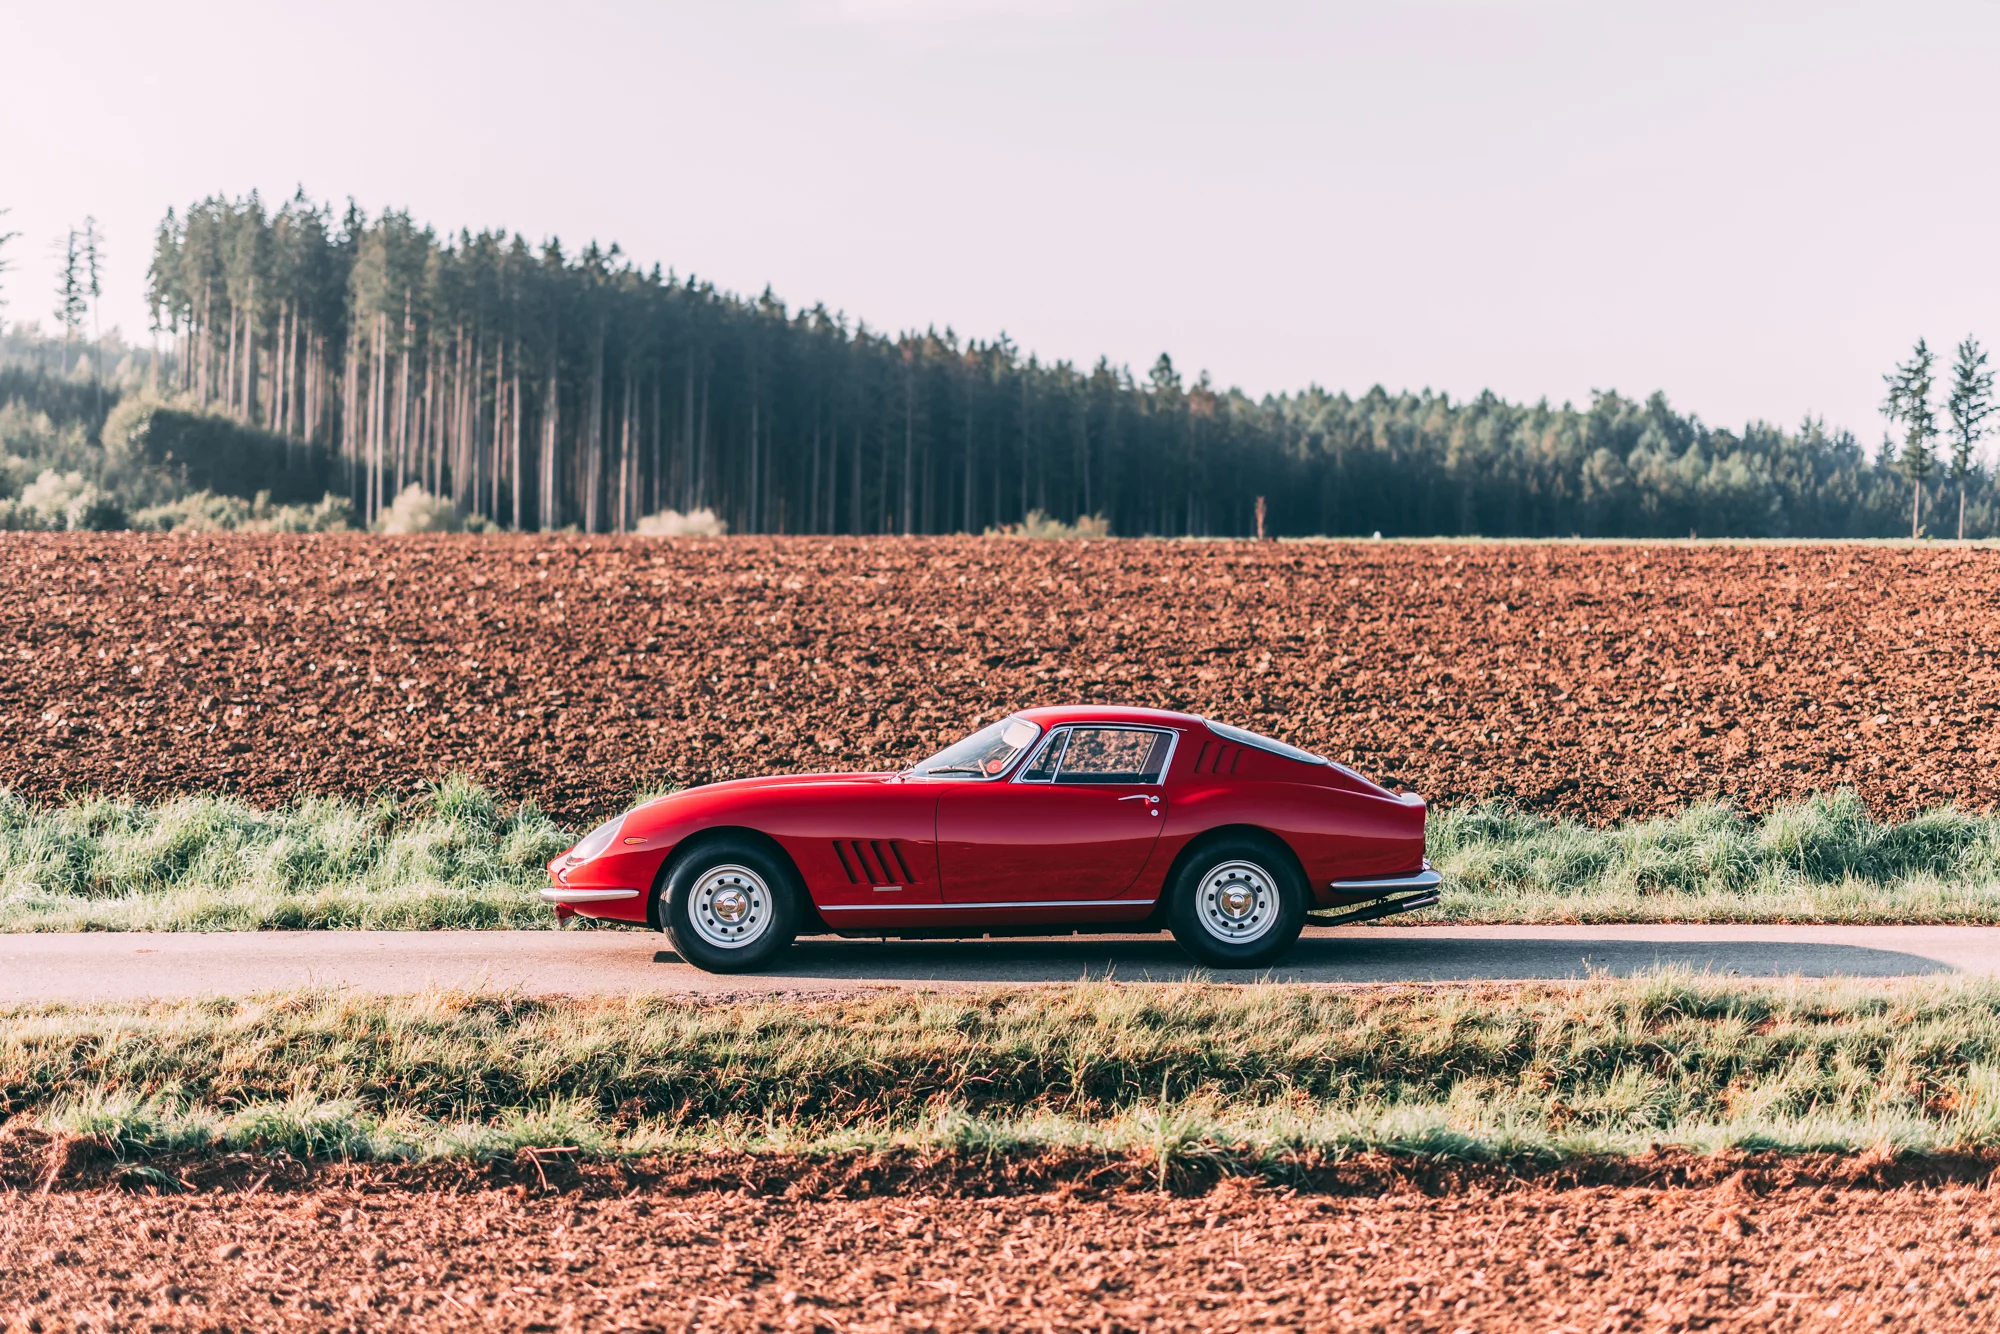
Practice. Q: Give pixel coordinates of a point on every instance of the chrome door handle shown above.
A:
(1138, 796)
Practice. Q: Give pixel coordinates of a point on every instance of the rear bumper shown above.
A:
(1390, 884)
(1383, 896)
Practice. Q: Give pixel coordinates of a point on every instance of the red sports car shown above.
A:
(1080, 818)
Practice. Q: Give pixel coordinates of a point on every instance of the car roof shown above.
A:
(1055, 715)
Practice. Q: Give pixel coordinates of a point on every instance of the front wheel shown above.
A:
(730, 905)
(1237, 903)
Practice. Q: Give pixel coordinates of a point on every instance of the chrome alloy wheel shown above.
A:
(730, 906)
(1238, 901)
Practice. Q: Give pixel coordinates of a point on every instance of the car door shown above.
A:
(1076, 825)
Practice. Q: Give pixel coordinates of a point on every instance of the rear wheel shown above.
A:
(1237, 903)
(730, 905)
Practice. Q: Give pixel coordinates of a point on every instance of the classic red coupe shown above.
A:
(1050, 821)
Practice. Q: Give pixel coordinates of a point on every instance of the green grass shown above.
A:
(453, 859)
(1254, 1078)
(1822, 860)
(458, 858)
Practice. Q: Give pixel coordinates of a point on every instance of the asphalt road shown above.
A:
(114, 966)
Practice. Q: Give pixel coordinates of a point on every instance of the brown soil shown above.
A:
(1815, 1246)
(1597, 680)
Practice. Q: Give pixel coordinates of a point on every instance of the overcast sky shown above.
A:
(1754, 207)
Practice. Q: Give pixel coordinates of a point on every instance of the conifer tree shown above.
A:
(93, 291)
(70, 300)
(1909, 406)
(5, 264)
(1970, 404)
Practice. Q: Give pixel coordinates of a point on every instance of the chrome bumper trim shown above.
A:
(587, 895)
(1424, 879)
(955, 907)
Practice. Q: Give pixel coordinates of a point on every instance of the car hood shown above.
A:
(770, 781)
(676, 813)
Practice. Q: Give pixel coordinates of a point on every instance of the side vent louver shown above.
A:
(1217, 758)
(874, 861)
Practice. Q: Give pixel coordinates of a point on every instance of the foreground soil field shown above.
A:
(356, 1250)
(1594, 680)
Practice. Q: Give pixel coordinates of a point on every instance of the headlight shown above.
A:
(596, 841)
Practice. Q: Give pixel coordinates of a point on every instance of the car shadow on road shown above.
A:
(1348, 959)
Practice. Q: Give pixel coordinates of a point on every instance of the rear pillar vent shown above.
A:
(1217, 758)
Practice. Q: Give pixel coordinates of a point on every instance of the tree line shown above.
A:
(540, 387)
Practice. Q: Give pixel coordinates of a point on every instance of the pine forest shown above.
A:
(544, 388)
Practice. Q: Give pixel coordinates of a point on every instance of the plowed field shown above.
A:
(1598, 680)
(359, 1252)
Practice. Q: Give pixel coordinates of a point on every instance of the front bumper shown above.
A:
(615, 887)
(564, 894)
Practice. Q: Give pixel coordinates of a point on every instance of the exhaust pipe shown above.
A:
(1368, 912)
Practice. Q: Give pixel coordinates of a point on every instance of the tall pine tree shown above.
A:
(5, 265)
(93, 292)
(1909, 406)
(1971, 402)
(71, 303)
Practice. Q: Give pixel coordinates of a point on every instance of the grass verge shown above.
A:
(1825, 859)
(1238, 1079)
(452, 859)
(458, 858)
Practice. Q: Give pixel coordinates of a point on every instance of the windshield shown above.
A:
(987, 753)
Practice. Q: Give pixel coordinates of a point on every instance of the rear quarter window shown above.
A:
(1238, 736)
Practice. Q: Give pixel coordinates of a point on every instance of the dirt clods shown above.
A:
(367, 1254)
(1600, 680)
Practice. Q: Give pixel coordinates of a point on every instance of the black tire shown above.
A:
(1202, 911)
(706, 882)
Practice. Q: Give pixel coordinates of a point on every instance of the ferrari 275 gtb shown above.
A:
(1050, 821)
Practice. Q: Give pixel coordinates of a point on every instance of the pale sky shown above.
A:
(1754, 207)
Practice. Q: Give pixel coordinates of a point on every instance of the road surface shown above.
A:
(123, 966)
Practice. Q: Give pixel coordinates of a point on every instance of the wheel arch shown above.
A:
(1207, 838)
(808, 911)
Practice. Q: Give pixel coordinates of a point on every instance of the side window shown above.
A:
(1113, 755)
(1042, 769)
